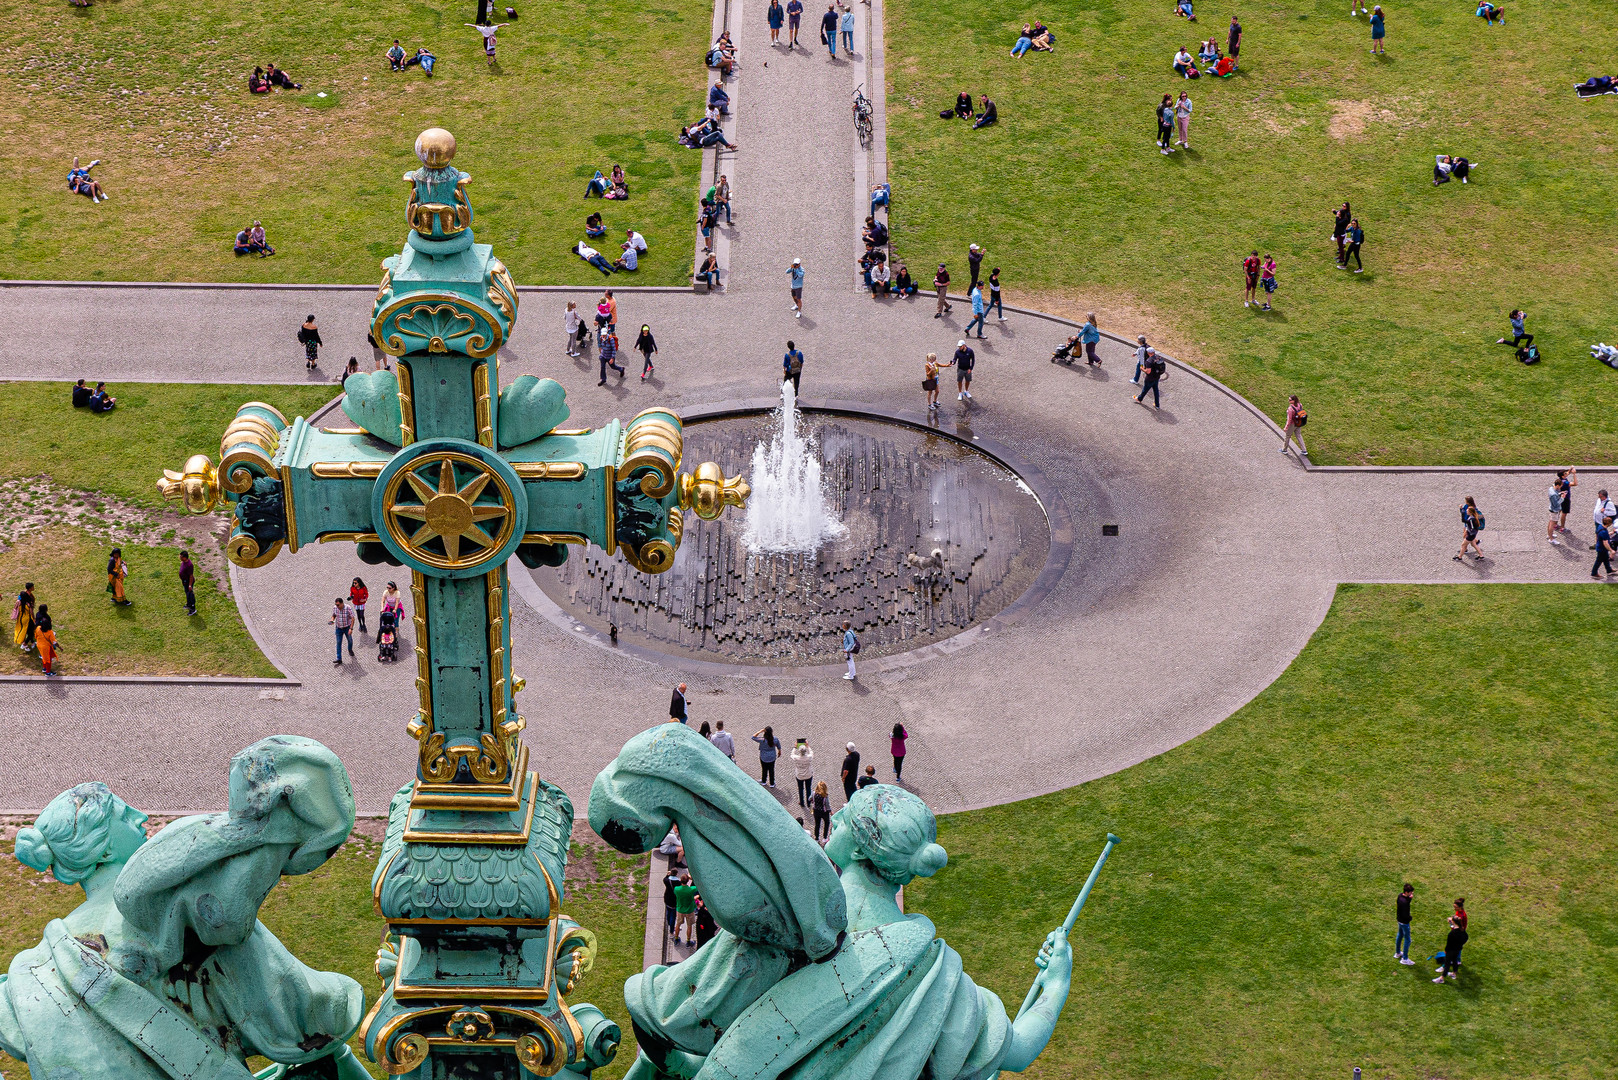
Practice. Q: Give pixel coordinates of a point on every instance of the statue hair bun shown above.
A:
(33, 849)
(928, 860)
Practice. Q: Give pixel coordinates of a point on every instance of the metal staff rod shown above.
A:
(1078, 906)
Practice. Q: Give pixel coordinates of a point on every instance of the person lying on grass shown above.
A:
(425, 59)
(592, 256)
(1183, 9)
(1445, 167)
(1490, 14)
(280, 78)
(80, 183)
(1025, 41)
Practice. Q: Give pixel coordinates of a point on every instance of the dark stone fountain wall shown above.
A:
(901, 493)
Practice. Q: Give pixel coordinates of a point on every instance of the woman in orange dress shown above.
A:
(45, 639)
(117, 570)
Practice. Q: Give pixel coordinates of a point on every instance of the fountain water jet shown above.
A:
(787, 513)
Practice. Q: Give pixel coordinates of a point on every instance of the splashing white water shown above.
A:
(787, 511)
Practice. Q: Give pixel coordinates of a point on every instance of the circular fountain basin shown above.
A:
(935, 537)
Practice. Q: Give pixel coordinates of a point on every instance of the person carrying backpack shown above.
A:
(1296, 418)
(851, 645)
(1471, 524)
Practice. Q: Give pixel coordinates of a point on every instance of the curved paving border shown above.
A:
(1045, 493)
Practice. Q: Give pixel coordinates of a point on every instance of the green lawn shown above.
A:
(1457, 738)
(123, 453)
(157, 91)
(1071, 198)
(152, 636)
(327, 919)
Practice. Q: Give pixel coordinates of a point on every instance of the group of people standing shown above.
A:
(1449, 960)
(33, 630)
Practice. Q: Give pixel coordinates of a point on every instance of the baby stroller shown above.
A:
(1064, 351)
(388, 637)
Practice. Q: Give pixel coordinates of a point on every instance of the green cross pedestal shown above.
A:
(451, 476)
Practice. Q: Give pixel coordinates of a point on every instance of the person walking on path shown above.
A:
(117, 571)
(648, 348)
(851, 772)
(1604, 509)
(1519, 332)
(803, 767)
(929, 381)
(358, 594)
(974, 264)
(898, 747)
(979, 310)
(45, 639)
(828, 29)
(1604, 548)
(1233, 40)
(677, 705)
(1340, 218)
(1456, 940)
(994, 295)
(794, 18)
(607, 356)
(941, 287)
(574, 323)
(1165, 124)
(820, 807)
(792, 367)
(188, 579)
(1250, 268)
(769, 748)
(1356, 237)
(1156, 370)
(1401, 912)
(1378, 30)
(1296, 419)
(965, 360)
(775, 17)
(846, 24)
(1471, 524)
(309, 338)
(1182, 118)
(343, 620)
(22, 619)
(1089, 336)
(391, 605)
(1266, 278)
(795, 280)
(721, 738)
(851, 646)
(685, 909)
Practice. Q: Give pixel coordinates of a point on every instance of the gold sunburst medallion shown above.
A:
(449, 510)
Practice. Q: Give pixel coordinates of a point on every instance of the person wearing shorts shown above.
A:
(794, 17)
(1267, 279)
(965, 361)
(1250, 267)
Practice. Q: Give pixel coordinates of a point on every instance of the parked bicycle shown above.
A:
(862, 115)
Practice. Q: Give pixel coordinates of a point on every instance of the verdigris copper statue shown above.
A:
(811, 975)
(165, 971)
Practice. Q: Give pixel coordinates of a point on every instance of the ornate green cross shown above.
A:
(451, 476)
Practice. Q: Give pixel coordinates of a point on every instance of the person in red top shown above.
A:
(1460, 911)
(357, 595)
(1250, 268)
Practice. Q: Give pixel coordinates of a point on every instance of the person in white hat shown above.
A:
(795, 273)
(965, 359)
(851, 771)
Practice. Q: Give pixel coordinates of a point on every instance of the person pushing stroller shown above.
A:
(387, 647)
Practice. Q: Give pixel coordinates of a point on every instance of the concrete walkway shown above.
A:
(1226, 558)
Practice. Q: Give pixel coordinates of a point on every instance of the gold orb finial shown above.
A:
(435, 147)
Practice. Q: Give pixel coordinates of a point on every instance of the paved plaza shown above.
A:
(1224, 563)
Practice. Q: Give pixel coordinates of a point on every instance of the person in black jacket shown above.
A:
(963, 105)
(81, 395)
(707, 927)
(309, 338)
(851, 772)
(677, 705)
(1401, 912)
(1452, 947)
(648, 347)
(988, 116)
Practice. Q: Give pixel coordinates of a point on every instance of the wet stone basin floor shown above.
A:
(902, 494)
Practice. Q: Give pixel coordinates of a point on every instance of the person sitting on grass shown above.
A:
(257, 83)
(1184, 66)
(396, 56)
(1025, 41)
(81, 395)
(637, 240)
(80, 183)
(620, 184)
(989, 114)
(593, 257)
(1044, 40)
(963, 106)
(244, 243)
(257, 241)
(629, 260)
(1182, 8)
(1225, 67)
(593, 228)
(280, 78)
(100, 400)
(1209, 52)
(424, 58)
(1490, 14)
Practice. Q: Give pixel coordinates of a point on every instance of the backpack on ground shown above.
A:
(1528, 354)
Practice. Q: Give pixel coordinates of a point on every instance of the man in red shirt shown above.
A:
(1250, 268)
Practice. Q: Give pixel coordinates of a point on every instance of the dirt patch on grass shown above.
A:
(1351, 118)
(1127, 315)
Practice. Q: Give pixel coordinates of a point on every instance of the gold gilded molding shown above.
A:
(708, 491)
(506, 839)
(550, 470)
(611, 474)
(503, 302)
(386, 286)
(424, 685)
(243, 551)
(343, 431)
(653, 441)
(506, 796)
(485, 414)
(355, 537)
(429, 304)
(502, 278)
(346, 470)
(572, 431)
(654, 556)
(291, 509)
(494, 764)
(448, 511)
(407, 406)
(553, 538)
